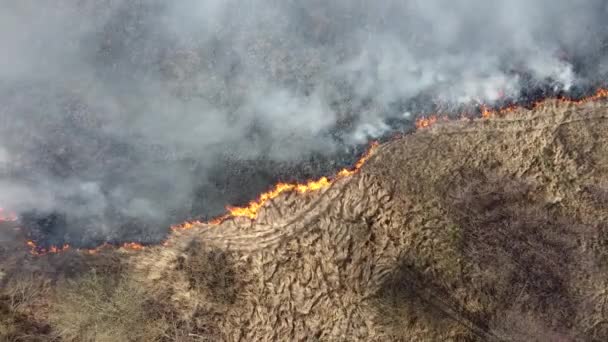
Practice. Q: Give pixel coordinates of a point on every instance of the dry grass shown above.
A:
(492, 230)
(104, 308)
(22, 290)
(523, 258)
(19, 299)
(211, 273)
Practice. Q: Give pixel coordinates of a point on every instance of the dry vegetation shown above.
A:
(104, 308)
(493, 230)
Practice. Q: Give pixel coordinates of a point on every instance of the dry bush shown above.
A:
(22, 290)
(103, 308)
(18, 300)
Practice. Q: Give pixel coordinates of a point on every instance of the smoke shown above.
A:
(119, 117)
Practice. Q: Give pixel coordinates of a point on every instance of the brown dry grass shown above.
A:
(102, 307)
(493, 230)
(19, 298)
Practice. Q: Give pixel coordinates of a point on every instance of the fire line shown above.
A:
(487, 112)
(252, 209)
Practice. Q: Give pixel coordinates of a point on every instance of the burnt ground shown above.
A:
(485, 230)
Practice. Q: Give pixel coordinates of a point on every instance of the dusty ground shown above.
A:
(491, 230)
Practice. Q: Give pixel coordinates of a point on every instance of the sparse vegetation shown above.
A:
(105, 307)
(18, 301)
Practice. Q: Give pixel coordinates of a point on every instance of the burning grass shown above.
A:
(486, 112)
(252, 208)
(249, 211)
(7, 216)
(495, 233)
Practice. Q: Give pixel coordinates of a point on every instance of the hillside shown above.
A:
(487, 230)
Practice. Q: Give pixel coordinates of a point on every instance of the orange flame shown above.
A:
(39, 251)
(191, 224)
(486, 112)
(251, 210)
(600, 94)
(424, 122)
(7, 216)
(134, 246)
(36, 250)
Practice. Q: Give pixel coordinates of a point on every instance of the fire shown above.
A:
(36, 250)
(191, 224)
(487, 112)
(39, 251)
(424, 122)
(95, 250)
(134, 246)
(600, 94)
(251, 210)
(7, 216)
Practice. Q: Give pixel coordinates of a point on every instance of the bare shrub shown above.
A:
(20, 295)
(22, 290)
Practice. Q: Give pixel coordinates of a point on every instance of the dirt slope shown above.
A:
(494, 229)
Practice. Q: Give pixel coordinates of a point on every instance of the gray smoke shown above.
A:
(121, 113)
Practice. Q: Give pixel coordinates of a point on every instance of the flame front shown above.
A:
(251, 210)
(487, 112)
(424, 122)
(37, 250)
(134, 246)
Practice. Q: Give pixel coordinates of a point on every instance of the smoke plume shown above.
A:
(119, 117)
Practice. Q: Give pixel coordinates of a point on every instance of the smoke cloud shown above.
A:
(119, 117)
